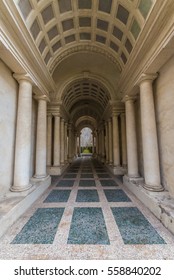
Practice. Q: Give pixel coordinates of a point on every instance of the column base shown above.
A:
(36, 178)
(56, 170)
(153, 188)
(117, 170)
(20, 188)
(137, 180)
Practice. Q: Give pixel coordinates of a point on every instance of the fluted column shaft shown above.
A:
(116, 144)
(123, 140)
(41, 139)
(131, 138)
(56, 140)
(23, 135)
(49, 139)
(149, 135)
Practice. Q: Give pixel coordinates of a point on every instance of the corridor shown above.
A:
(87, 213)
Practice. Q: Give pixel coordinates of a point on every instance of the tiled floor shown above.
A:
(87, 213)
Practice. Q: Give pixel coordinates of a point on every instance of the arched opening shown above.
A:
(86, 140)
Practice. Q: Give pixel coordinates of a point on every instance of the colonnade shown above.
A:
(57, 140)
(61, 139)
(22, 180)
(109, 148)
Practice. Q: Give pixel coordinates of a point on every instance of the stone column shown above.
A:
(79, 145)
(66, 152)
(56, 140)
(131, 138)
(62, 142)
(123, 140)
(149, 135)
(103, 144)
(40, 172)
(116, 144)
(110, 141)
(23, 135)
(106, 143)
(93, 143)
(69, 143)
(97, 147)
(49, 139)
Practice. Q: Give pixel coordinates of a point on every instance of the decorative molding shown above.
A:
(83, 48)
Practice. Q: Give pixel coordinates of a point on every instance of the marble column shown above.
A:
(49, 139)
(116, 144)
(56, 157)
(79, 145)
(110, 141)
(93, 151)
(69, 143)
(66, 146)
(132, 153)
(149, 135)
(107, 143)
(40, 171)
(62, 142)
(123, 140)
(103, 144)
(23, 135)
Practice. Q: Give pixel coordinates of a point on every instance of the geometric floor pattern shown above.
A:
(87, 213)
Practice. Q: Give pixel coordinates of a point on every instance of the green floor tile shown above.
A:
(65, 183)
(87, 183)
(87, 196)
(134, 227)
(88, 227)
(116, 196)
(41, 227)
(58, 196)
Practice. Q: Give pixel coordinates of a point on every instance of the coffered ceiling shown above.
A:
(111, 27)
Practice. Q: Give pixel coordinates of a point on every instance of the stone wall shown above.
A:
(8, 110)
(164, 102)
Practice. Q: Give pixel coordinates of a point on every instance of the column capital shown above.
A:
(42, 97)
(22, 77)
(49, 115)
(56, 114)
(147, 77)
(129, 98)
(115, 113)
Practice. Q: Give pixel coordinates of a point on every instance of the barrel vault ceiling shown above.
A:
(85, 46)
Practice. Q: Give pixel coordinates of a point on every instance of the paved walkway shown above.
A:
(87, 213)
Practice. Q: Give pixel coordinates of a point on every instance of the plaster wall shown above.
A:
(164, 102)
(8, 111)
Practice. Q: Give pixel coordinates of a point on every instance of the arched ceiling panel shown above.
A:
(57, 25)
